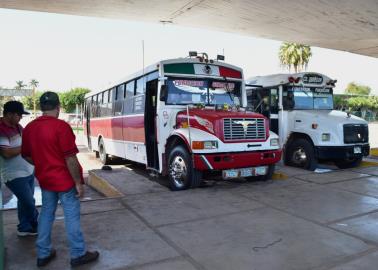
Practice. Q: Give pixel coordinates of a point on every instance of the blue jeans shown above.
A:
(71, 208)
(23, 189)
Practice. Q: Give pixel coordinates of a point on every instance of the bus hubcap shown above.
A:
(178, 171)
(299, 156)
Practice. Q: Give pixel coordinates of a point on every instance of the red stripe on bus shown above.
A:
(129, 128)
(230, 73)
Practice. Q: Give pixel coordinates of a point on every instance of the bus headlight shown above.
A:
(274, 142)
(326, 137)
(204, 145)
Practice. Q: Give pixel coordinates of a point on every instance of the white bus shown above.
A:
(182, 118)
(300, 109)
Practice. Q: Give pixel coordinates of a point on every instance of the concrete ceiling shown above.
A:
(347, 25)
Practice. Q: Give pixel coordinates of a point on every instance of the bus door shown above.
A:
(87, 113)
(274, 109)
(265, 101)
(150, 125)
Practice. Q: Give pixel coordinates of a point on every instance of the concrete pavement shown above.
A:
(308, 221)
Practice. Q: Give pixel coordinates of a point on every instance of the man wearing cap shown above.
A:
(16, 172)
(49, 143)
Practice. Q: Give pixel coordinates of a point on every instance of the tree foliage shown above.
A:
(28, 101)
(34, 83)
(340, 102)
(357, 89)
(294, 55)
(20, 84)
(70, 99)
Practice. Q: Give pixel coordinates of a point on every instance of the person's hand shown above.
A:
(80, 190)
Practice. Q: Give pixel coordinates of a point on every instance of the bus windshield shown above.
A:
(308, 98)
(203, 91)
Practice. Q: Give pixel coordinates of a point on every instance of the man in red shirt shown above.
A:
(49, 144)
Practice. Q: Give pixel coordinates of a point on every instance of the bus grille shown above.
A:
(244, 129)
(354, 133)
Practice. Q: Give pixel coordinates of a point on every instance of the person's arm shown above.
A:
(66, 141)
(75, 171)
(7, 152)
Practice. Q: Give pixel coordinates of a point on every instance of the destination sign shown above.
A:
(312, 79)
(323, 90)
(189, 83)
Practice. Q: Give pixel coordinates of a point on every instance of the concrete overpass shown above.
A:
(346, 25)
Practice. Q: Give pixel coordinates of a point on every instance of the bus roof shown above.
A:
(155, 67)
(283, 78)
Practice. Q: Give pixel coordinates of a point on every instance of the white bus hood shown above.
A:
(331, 117)
(326, 121)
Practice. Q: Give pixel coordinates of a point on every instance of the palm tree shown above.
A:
(34, 84)
(294, 55)
(20, 84)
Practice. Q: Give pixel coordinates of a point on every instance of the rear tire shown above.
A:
(181, 173)
(348, 163)
(104, 158)
(300, 153)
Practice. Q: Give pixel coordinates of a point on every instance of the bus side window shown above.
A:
(104, 106)
(274, 101)
(129, 96)
(141, 86)
(288, 100)
(118, 99)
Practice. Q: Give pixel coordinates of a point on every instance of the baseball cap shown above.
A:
(49, 98)
(14, 106)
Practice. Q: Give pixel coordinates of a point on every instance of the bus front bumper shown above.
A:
(342, 152)
(224, 161)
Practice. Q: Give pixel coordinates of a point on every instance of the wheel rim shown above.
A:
(102, 152)
(178, 171)
(299, 156)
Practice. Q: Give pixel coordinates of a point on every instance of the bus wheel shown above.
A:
(181, 173)
(104, 158)
(301, 154)
(348, 163)
(266, 177)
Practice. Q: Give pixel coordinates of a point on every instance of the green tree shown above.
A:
(357, 89)
(359, 104)
(34, 83)
(294, 55)
(70, 99)
(20, 84)
(340, 102)
(28, 101)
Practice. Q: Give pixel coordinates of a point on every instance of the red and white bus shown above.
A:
(182, 117)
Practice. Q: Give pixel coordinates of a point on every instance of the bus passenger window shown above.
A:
(140, 86)
(129, 89)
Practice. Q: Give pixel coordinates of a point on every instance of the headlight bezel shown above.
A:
(274, 142)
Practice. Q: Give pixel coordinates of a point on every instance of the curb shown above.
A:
(279, 176)
(374, 152)
(366, 163)
(101, 185)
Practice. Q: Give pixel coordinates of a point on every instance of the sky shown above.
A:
(64, 51)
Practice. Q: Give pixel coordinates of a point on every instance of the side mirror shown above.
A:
(163, 93)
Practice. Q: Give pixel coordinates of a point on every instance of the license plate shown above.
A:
(245, 172)
(230, 174)
(357, 150)
(261, 170)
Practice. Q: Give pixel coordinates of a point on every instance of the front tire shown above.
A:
(300, 153)
(348, 163)
(181, 173)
